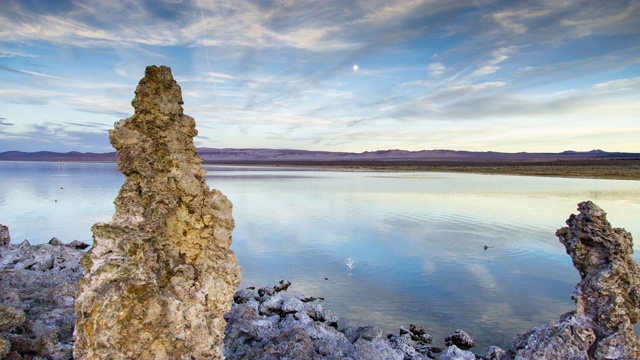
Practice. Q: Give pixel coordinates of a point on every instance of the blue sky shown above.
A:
(537, 76)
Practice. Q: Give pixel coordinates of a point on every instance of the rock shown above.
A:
(403, 330)
(364, 332)
(160, 276)
(563, 340)
(417, 329)
(292, 305)
(75, 244)
(455, 353)
(10, 318)
(405, 345)
(5, 237)
(460, 339)
(244, 295)
(282, 286)
(607, 296)
(5, 348)
(496, 353)
(376, 349)
(55, 241)
(265, 292)
(288, 327)
(36, 303)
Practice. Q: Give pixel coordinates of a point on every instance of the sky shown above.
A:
(333, 75)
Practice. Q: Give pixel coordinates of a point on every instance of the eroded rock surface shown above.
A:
(160, 276)
(5, 237)
(607, 296)
(265, 324)
(38, 285)
(461, 339)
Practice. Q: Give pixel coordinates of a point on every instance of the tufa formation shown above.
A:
(607, 296)
(160, 276)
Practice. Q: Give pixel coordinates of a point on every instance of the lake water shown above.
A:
(384, 248)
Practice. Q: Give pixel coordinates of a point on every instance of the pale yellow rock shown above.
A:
(160, 276)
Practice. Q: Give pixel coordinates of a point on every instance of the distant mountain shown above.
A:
(288, 156)
(284, 156)
(56, 156)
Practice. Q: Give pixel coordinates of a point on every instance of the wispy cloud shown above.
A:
(27, 72)
(490, 66)
(269, 73)
(4, 122)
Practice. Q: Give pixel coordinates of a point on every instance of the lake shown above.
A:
(383, 248)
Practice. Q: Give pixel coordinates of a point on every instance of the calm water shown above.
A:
(382, 248)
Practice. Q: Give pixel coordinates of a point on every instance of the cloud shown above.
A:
(619, 85)
(490, 66)
(3, 122)
(436, 69)
(26, 72)
(603, 19)
(86, 125)
(283, 70)
(11, 53)
(49, 136)
(517, 21)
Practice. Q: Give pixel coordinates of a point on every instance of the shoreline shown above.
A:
(42, 283)
(581, 169)
(608, 169)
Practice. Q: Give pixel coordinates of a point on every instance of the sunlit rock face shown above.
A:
(607, 296)
(160, 276)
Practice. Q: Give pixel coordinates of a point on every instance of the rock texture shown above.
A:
(461, 339)
(607, 296)
(160, 276)
(265, 324)
(5, 237)
(36, 302)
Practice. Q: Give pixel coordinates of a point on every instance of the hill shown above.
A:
(380, 157)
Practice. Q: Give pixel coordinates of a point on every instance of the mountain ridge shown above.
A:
(283, 156)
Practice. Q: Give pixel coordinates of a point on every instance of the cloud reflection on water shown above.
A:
(394, 248)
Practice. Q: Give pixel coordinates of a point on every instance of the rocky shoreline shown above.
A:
(39, 284)
(37, 316)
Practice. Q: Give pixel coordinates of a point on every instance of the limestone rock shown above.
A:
(160, 276)
(607, 296)
(38, 285)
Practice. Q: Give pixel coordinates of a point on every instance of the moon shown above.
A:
(355, 67)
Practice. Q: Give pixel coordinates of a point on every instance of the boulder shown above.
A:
(160, 276)
(460, 339)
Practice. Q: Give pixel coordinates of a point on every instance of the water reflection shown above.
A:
(413, 244)
(39, 200)
(382, 248)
